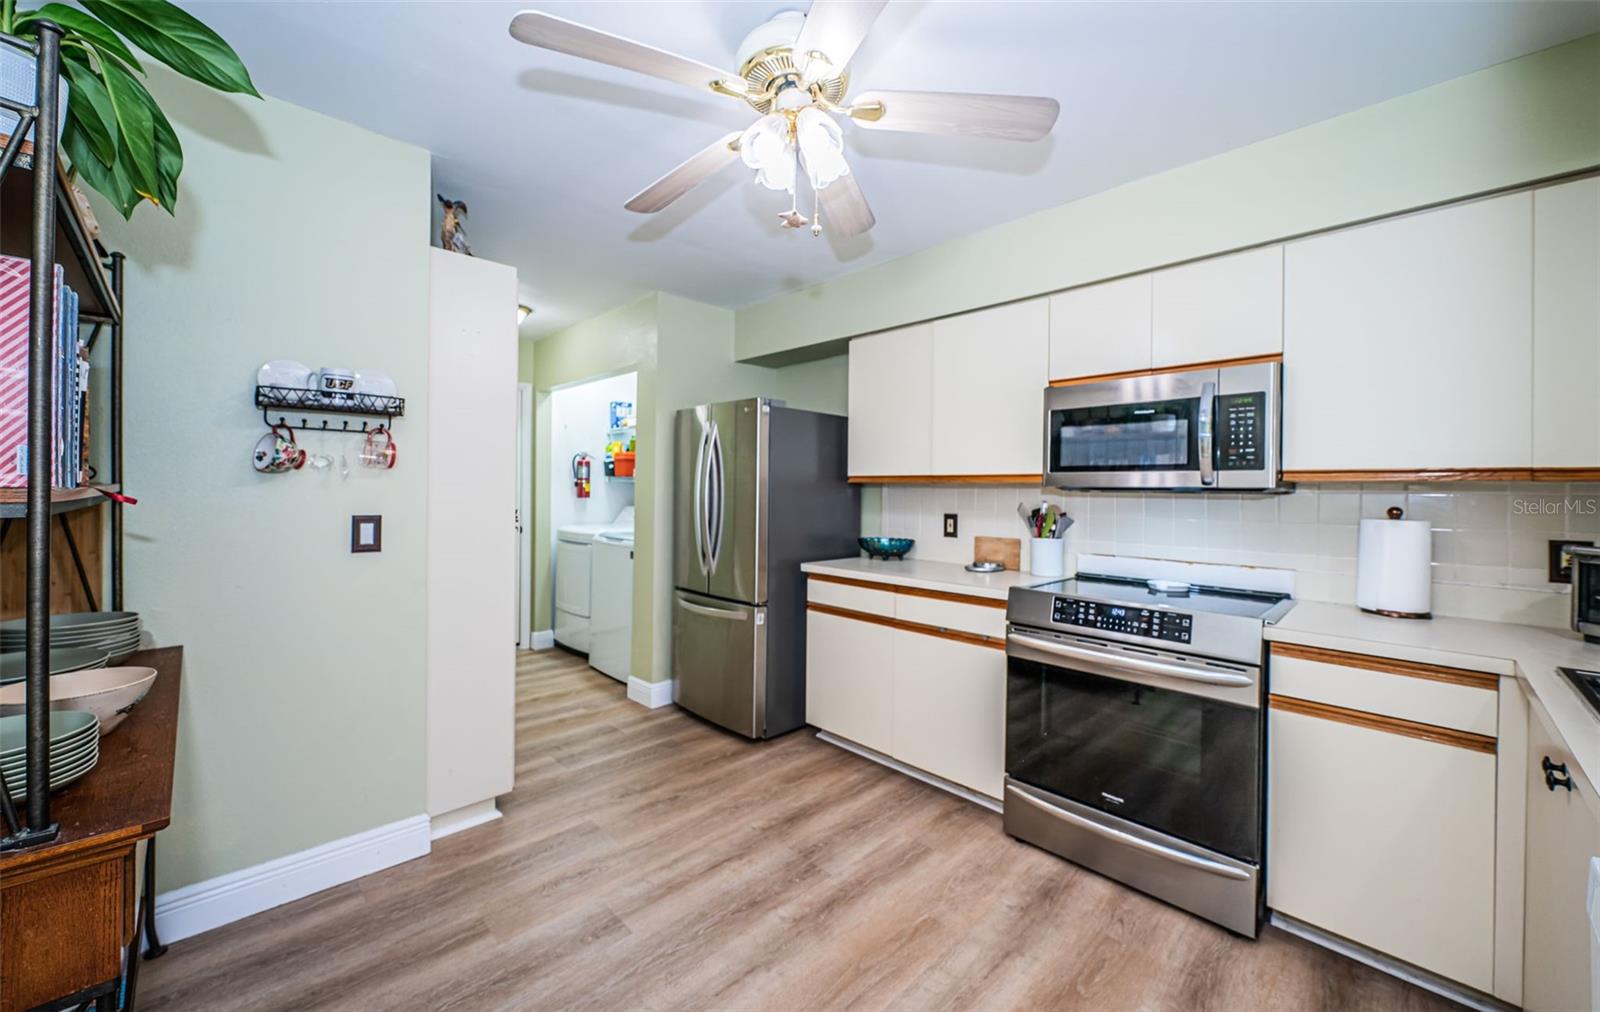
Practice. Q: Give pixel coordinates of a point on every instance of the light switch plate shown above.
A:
(366, 533)
(949, 525)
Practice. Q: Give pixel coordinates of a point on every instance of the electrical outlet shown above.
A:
(1561, 558)
(949, 525)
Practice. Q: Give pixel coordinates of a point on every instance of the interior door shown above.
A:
(691, 445)
(736, 481)
(719, 661)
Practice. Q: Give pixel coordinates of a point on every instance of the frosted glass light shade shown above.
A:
(822, 146)
(765, 148)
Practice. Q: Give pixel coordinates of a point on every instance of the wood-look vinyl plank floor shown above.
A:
(648, 860)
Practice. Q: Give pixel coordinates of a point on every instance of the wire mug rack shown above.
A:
(295, 399)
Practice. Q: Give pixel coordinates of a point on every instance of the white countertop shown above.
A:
(947, 576)
(1530, 653)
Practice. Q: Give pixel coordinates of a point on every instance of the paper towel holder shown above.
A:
(1392, 513)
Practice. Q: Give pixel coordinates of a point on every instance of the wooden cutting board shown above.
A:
(1006, 551)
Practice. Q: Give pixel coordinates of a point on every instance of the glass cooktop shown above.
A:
(1139, 593)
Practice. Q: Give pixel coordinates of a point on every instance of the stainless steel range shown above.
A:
(1135, 730)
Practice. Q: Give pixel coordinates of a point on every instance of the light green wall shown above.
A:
(683, 353)
(299, 237)
(1526, 119)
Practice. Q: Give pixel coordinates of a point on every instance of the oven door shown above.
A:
(1144, 432)
(1169, 742)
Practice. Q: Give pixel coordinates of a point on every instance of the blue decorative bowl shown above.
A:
(886, 548)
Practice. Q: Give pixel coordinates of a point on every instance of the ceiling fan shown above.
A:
(794, 71)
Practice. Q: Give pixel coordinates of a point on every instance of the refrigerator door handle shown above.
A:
(699, 500)
(730, 614)
(718, 496)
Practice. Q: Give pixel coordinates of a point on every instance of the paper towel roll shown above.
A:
(1394, 567)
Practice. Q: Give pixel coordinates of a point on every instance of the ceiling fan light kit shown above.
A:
(793, 71)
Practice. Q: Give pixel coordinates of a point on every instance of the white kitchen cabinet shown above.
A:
(891, 403)
(850, 679)
(1566, 325)
(949, 710)
(1222, 308)
(1563, 835)
(1408, 343)
(1385, 839)
(990, 369)
(1101, 329)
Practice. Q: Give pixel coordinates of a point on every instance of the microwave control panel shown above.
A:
(1241, 431)
(1173, 626)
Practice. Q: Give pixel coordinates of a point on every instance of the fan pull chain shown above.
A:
(816, 213)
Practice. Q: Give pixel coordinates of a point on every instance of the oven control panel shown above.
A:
(1173, 626)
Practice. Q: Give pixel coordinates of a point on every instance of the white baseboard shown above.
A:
(192, 909)
(465, 817)
(651, 694)
(964, 793)
(544, 639)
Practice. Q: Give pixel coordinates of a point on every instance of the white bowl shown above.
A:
(108, 693)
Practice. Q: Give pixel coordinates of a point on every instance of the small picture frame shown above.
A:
(366, 533)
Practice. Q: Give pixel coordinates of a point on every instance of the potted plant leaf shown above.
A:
(116, 137)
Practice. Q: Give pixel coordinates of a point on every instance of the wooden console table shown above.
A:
(68, 908)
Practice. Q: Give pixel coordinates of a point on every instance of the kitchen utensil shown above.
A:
(62, 660)
(1047, 557)
(378, 384)
(1394, 566)
(108, 693)
(334, 383)
(886, 548)
(277, 452)
(283, 372)
(985, 567)
(1006, 551)
(378, 450)
(66, 727)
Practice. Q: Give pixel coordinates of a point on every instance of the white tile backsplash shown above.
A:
(1490, 540)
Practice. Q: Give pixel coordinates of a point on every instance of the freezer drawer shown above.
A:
(719, 661)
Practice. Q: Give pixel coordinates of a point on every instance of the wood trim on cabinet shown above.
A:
(971, 639)
(895, 588)
(1451, 474)
(1221, 363)
(1390, 725)
(947, 479)
(1388, 665)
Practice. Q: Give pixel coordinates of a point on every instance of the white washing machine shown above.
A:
(611, 610)
(574, 554)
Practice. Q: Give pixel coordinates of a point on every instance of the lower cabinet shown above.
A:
(933, 699)
(1384, 838)
(1563, 836)
(949, 710)
(850, 679)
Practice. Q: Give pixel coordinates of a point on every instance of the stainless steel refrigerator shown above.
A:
(758, 489)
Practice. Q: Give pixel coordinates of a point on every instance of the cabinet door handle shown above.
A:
(1556, 775)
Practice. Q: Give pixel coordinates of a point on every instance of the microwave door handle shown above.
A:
(1128, 839)
(1129, 662)
(1207, 434)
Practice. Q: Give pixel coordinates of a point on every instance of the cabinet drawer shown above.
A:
(943, 613)
(841, 594)
(1444, 697)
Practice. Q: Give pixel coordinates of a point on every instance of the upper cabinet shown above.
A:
(1408, 344)
(1222, 308)
(989, 375)
(891, 403)
(1566, 325)
(1101, 329)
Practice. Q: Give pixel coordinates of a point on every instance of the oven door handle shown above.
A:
(1128, 839)
(1130, 663)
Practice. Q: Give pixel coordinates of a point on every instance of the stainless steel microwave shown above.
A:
(1197, 430)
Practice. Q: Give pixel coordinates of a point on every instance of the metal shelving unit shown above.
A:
(99, 276)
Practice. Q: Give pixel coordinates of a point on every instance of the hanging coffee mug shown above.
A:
(277, 452)
(379, 450)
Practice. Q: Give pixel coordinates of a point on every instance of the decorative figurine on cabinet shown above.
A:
(451, 235)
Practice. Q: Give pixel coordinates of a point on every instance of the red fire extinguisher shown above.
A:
(580, 475)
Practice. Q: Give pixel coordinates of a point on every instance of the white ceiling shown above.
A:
(544, 148)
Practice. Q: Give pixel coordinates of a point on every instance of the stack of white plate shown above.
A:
(115, 632)
(74, 749)
(13, 666)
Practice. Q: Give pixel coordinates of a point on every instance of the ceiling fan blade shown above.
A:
(547, 31)
(1014, 117)
(844, 207)
(835, 28)
(700, 167)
